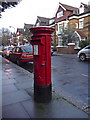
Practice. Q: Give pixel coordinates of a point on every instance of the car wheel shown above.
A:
(18, 62)
(82, 57)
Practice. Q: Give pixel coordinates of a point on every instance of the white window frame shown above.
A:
(59, 14)
(81, 23)
(65, 25)
(38, 24)
(60, 26)
(51, 21)
(81, 10)
(76, 25)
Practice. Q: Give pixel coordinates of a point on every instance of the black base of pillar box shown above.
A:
(42, 93)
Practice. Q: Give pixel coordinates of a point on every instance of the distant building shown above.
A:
(28, 26)
(0, 32)
(19, 38)
(27, 33)
(0, 37)
(42, 21)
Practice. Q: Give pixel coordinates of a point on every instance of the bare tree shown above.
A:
(5, 36)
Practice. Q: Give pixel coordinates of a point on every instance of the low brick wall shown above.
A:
(67, 49)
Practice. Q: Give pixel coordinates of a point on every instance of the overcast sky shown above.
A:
(28, 10)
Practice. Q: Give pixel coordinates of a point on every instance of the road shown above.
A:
(71, 75)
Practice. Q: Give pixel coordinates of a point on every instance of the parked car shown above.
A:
(84, 53)
(1, 48)
(6, 51)
(22, 54)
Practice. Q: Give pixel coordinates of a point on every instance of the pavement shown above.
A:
(17, 97)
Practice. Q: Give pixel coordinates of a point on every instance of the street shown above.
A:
(69, 74)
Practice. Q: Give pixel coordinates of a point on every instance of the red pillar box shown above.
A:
(41, 41)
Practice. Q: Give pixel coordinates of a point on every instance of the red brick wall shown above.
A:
(65, 16)
(69, 50)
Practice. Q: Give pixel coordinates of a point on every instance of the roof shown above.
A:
(86, 10)
(20, 29)
(52, 21)
(44, 19)
(81, 34)
(68, 7)
(84, 4)
(28, 25)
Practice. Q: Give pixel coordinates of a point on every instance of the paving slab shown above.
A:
(0, 100)
(14, 97)
(14, 111)
(24, 85)
(23, 79)
(8, 88)
(0, 113)
(8, 81)
(55, 109)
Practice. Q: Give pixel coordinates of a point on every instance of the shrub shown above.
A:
(83, 44)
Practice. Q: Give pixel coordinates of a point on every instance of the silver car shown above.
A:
(6, 51)
(84, 53)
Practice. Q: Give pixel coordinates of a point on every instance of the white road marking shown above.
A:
(85, 75)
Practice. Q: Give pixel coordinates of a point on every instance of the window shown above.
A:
(81, 23)
(14, 49)
(10, 48)
(76, 25)
(51, 21)
(81, 9)
(65, 26)
(38, 24)
(60, 28)
(88, 47)
(60, 14)
(27, 48)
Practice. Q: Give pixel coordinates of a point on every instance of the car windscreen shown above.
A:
(1, 47)
(87, 47)
(27, 48)
(10, 48)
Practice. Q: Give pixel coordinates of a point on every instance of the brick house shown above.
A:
(75, 18)
(20, 37)
(27, 33)
(62, 20)
(43, 21)
(52, 24)
(81, 22)
(68, 17)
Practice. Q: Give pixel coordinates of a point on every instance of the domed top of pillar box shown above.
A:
(42, 30)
